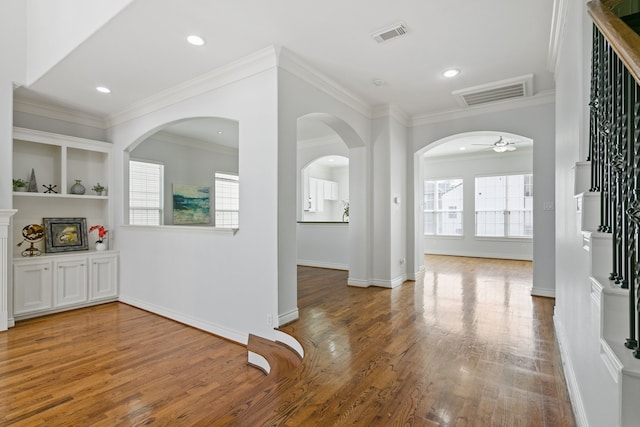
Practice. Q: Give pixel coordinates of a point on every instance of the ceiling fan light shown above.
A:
(500, 148)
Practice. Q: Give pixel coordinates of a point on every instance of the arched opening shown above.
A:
(331, 193)
(477, 195)
(185, 173)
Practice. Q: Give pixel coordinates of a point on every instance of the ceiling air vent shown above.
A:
(399, 29)
(518, 87)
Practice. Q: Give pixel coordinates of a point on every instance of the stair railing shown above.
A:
(614, 147)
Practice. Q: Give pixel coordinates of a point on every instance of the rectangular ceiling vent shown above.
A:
(396, 30)
(518, 87)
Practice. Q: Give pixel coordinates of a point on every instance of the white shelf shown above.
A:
(59, 196)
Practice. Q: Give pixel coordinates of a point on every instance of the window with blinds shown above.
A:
(227, 200)
(145, 193)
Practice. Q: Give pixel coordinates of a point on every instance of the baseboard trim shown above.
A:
(321, 264)
(417, 276)
(381, 283)
(212, 328)
(290, 316)
(542, 292)
(570, 376)
(359, 283)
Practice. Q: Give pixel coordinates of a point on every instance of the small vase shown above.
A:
(78, 188)
(101, 246)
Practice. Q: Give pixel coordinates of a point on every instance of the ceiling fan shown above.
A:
(501, 145)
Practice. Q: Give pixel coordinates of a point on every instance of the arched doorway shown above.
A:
(477, 196)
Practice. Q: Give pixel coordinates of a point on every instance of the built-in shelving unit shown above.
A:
(61, 281)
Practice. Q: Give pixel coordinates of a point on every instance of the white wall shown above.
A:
(323, 245)
(13, 69)
(222, 282)
(594, 393)
(468, 167)
(185, 165)
(58, 27)
(536, 122)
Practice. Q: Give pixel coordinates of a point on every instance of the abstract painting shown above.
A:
(191, 204)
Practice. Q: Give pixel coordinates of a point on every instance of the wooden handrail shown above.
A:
(624, 41)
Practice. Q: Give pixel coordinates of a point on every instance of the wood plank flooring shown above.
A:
(468, 347)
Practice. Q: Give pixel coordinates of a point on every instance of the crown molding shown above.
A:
(38, 108)
(290, 62)
(558, 20)
(541, 98)
(393, 111)
(245, 67)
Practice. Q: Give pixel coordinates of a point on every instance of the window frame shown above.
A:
(160, 207)
(437, 212)
(506, 212)
(216, 201)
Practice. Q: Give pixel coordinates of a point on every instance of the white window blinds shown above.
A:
(145, 193)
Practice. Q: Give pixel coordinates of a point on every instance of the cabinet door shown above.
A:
(32, 287)
(70, 281)
(104, 277)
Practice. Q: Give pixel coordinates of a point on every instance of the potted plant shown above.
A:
(345, 211)
(98, 189)
(19, 185)
(100, 245)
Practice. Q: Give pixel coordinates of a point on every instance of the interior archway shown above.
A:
(185, 173)
(333, 242)
(468, 160)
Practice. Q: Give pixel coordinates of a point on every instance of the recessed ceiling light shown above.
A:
(452, 72)
(462, 148)
(379, 82)
(195, 40)
(103, 89)
(219, 132)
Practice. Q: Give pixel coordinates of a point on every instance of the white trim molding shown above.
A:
(296, 66)
(541, 98)
(322, 264)
(230, 334)
(543, 292)
(250, 65)
(287, 317)
(5, 223)
(570, 375)
(557, 30)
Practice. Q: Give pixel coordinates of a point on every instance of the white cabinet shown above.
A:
(331, 190)
(35, 292)
(52, 283)
(318, 191)
(70, 281)
(104, 282)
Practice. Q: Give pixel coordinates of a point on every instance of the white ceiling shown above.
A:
(478, 142)
(142, 51)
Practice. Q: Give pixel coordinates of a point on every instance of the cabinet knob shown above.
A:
(46, 268)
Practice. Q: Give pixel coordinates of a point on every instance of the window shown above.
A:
(145, 193)
(227, 200)
(504, 206)
(443, 207)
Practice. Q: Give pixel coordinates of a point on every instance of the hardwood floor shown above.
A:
(469, 347)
